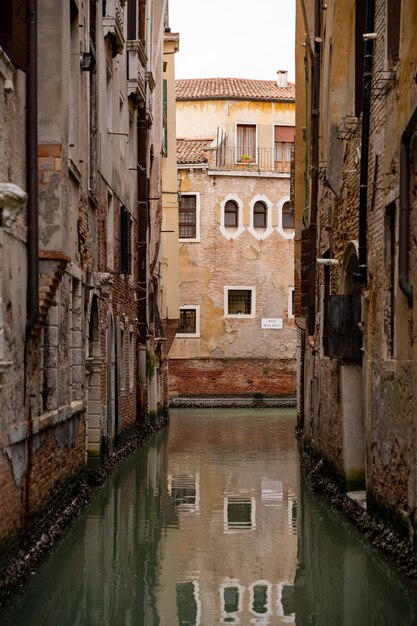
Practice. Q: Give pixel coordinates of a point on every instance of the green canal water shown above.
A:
(211, 523)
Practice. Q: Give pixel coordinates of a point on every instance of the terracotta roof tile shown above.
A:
(192, 150)
(225, 88)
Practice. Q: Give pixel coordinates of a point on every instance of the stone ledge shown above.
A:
(20, 432)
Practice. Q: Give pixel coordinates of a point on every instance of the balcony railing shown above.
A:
(256, 160)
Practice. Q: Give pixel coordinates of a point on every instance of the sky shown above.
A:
(234, 38)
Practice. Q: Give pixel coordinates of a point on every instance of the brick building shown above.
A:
(237, 333)
(82, 330)
(355, 257)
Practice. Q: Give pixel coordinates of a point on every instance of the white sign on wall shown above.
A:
(272, 322)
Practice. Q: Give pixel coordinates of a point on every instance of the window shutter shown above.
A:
(125, 241)
(344, 335)
(165, 116)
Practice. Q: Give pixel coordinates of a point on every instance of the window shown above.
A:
(110, 233)
(291, 302)
(125, 241)
(131, 358)
(231, 212)
(259, 215)
(239, 513)
(360, 29)
(393, 31)
(287, 216)
(13, 31)
(189, 226)
(283, 142)
(246, 142)
(184, 492)
(188, 603)
(240, 301)
(189, 321)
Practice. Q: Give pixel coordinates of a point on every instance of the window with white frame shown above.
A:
(260, 213)
(287, 216)
(189, 217)
(239, 301)
(283, 142)
(239, 513)
(231, 214)
(189, 321)
(245, 143)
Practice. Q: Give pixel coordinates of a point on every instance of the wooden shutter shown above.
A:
(344, 335)
(125, 241)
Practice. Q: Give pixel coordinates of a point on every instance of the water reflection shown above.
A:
(211, 524)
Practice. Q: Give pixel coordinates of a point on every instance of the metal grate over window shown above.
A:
(188, 321)
(239, 302)
(188, 217)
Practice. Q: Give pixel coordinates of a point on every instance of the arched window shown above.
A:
(231, 214)
(287, 216)
(259, 215)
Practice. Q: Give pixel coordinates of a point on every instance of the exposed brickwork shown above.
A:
(228, 377)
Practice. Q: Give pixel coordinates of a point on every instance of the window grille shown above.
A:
(239, 302)
(188, 217)
(188, 321)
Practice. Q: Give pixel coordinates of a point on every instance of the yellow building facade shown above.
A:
(237, 333)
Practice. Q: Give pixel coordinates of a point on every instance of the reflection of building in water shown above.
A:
(229, 560)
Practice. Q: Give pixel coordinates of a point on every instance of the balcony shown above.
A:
(136, 64)
(258, 160)
(113, 24)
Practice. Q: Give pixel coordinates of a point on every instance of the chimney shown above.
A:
(282, 78)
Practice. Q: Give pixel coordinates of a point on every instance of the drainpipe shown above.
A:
(369, 38)
(404, 225)
(32, 168)
(315, 117)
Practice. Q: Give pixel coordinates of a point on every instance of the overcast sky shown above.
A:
(233, 38)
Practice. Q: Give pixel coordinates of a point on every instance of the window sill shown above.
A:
(188, 335)
(196, 240)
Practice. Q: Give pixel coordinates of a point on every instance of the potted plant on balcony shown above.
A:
(246, 159)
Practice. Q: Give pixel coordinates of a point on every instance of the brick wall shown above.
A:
(242, 377)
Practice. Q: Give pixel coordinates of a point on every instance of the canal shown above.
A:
(211, 523)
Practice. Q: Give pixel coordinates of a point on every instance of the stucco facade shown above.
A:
(81, 324)
(357, 363)
(230, 349)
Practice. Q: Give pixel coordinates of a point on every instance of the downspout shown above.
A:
(315, 118)
(369, 38)
(32, 168)
(143, 227)
(404, 224)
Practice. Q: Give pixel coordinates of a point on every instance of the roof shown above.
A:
(232, 88)
(192, 150)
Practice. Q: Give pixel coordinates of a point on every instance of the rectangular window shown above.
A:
(165, 115)
(189, 321)
(246, 143)
(110, 232)
(239, 513)
(13, 31)
(291, 302)
(189, 217)
(283, 142)
(393, 31)
(125, 241)
(239, 301)
(131, 359)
